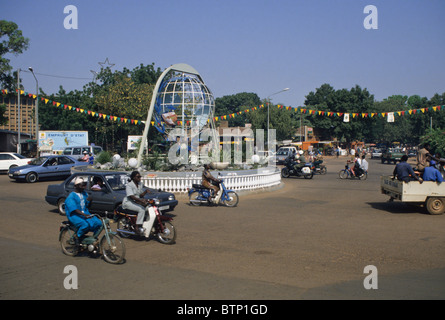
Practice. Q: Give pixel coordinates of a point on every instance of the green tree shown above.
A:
(234, 103)
(356, 100)
(12, 42)
(281, 120)
(400, 130)
(124, 98)
(436, 139)
(3, 119)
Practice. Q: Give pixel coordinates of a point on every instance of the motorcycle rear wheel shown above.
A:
(113, 252)
(233, 199)
(309, 176)
(67, 242)
(323, 170)
(169, 234)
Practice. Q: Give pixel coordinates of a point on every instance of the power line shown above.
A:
(56, 76)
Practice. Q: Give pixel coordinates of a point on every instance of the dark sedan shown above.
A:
(108, 196)
(46, 167)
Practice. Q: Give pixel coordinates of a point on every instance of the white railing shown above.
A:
(232, 182)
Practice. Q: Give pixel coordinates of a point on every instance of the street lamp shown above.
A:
(19, 145)
(37, 107)
(268, 100)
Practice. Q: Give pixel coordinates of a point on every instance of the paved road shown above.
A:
(310, 239)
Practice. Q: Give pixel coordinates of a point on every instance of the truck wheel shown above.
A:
(435, 205)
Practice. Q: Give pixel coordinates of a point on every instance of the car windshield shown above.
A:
(117, 181)
(39, 161)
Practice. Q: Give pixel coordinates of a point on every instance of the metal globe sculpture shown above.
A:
(181, 100)
(185, 101)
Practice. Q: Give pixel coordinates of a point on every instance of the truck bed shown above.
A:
(413, 191)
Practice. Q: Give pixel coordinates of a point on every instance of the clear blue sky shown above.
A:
(259, 46)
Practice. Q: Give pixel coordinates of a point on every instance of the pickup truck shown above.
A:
(392, 155)
(429, 193)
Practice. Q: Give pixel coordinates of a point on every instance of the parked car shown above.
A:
(282, 155)
(46, 167)
(291, 149)
(376, 153)
(77, 152)
(109, 197)
(10, 160)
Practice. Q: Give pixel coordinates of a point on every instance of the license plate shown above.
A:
(164, 208)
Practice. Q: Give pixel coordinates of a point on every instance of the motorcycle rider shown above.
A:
(207, 180)
(357, 168)
(135, 200)
(364, 165)
(300, 160)
(76, 208)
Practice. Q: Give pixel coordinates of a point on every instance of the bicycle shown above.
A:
(110, 245)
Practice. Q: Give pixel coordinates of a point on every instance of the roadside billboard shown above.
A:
(58, 140)
(133, 142)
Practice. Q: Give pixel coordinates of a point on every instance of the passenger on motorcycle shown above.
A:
(135, 200)
(364, 164)
(207, 180)
(76, 208)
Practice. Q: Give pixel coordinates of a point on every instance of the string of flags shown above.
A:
(346, 115)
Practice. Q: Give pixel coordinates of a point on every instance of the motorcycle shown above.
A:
(306, 171)
(161, 227)
(199, 194)
(318, 167)
(347, 174)
(110, 246)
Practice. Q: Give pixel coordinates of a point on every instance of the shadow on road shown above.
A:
(397, 207)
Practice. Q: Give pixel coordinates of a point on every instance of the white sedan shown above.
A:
(11, 160)
(376, 153)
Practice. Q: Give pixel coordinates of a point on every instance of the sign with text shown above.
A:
(58, 140)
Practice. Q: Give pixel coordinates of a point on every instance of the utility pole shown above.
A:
(19, 146)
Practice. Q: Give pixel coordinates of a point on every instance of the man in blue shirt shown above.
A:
(431, 173)
(404, 172)
(91, 159)
(76, 208)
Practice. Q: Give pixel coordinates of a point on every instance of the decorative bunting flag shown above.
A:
(346, 116)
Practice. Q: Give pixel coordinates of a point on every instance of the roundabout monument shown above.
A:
(182, 110)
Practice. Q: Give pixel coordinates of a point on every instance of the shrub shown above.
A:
(103, 157)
